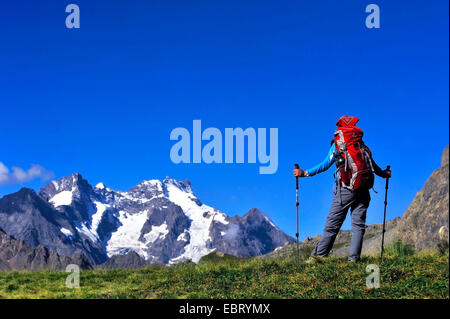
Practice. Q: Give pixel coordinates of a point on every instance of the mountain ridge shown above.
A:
(162, 221)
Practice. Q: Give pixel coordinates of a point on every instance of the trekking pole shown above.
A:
(388, 168)
(297, 204)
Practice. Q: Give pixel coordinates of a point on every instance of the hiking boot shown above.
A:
(353, 260)
(316, 259)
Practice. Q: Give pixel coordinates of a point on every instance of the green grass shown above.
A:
(399, 249)
(405, 276)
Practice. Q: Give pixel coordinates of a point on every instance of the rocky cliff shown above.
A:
(428, 212)
(16, 254)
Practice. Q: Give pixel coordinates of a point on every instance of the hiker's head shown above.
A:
(347, 121)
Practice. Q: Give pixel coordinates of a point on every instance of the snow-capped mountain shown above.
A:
(162, 221)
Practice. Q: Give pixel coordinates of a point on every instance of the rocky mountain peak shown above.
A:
(25, 196)
(100, 186)
(67, 188)
(256, 215)
(184, 186)
(26, 192)
(255, 212)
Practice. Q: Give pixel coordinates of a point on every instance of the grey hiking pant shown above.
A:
(358, 202)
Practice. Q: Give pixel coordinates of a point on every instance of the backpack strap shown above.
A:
(369, 160)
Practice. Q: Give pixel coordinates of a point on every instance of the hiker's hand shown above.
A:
(387, 173)
(298, 172)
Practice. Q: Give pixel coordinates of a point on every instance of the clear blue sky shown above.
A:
(102, 100)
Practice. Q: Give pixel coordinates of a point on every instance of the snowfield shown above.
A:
(62, 198)
(126, 237)
(66, 232)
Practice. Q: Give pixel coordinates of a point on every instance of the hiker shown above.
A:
(354, 177)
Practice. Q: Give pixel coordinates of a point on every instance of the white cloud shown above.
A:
(19, 175)
(4, 174)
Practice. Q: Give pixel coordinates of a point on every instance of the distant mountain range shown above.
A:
(154, 222)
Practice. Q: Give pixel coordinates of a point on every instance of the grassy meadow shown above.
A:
(403, 274)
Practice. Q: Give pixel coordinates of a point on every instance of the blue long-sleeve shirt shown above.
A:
(325, 164)
(330, 159)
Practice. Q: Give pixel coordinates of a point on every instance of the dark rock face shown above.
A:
(15, 254)
(164, 249)
(129, 261)
(250, 235)
(428, 212)
(161, 221)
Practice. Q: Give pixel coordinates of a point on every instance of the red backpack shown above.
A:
(353, 157)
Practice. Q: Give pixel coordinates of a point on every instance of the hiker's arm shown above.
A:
(324, 165)
(380, 172)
